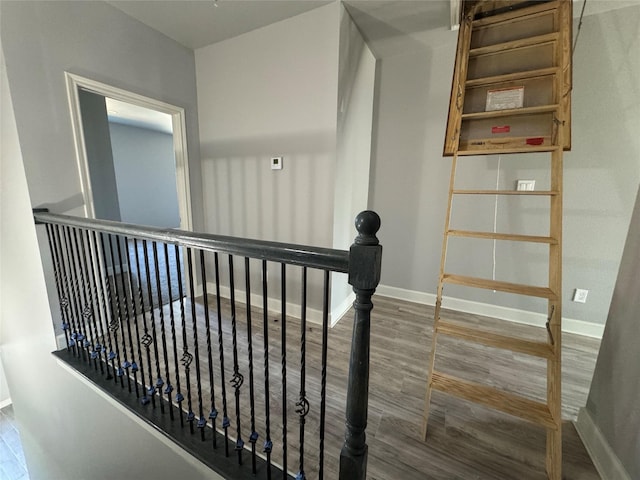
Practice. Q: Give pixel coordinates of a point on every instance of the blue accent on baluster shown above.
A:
(126, 364)
(202, 423)
(65, 326)
(86, 343)
(72, 343)
(134, 367)
(112, 355)
(120, 372)
(225, 422)
(98, 348)
(300, 476)
(191, 416)
(80, 336)
(94, 355)
(179, 397)
(168, 389)
(151, 390)
(74, 335)
(254, 437)
(159, 383)
(239, 444)
(213, 414)
(268, 446)
(145, 400)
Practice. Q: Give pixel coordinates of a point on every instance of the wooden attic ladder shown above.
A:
(507, 50)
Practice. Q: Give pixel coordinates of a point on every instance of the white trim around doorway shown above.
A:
(74, 83)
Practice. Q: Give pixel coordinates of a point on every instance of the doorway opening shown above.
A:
(132, 160)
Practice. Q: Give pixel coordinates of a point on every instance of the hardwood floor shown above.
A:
(465, 441)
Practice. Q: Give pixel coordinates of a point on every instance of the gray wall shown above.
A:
(68, 431)
(615, 389)
(95, 126)
(410, 177)
(42, 40)
(145, 173)
(272, 92)
(356, 82)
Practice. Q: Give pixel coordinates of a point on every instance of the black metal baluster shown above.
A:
(107, 308)
(268, 444)
(89, 311)
(99, 347)
(58, 278)
(323, 381)
(83, 311)
(254, 435)
(169, 388)
(67, 301)
(126, 365)
(163, 336)
(191, 416)
(116, 323)
(146, 338)
(213, 413)
(179, 395)
(225, 418)
(135, 366)
(302, 406)
(75, 315)
(237, 380)
(283, 364)
(154, 338)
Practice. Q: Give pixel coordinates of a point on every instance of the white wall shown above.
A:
(145, 172)
(612, 404)
(68, 431)
(42, 40)
(410, 177)
(5, 395)
(357, 70)
(272, 92)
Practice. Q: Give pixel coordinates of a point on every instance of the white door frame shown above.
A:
(74, 83)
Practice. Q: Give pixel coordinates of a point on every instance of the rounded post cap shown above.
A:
(367, 224)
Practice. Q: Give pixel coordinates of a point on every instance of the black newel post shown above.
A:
(364, 274)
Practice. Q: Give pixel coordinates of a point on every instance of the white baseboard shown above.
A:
(341, 310)
(569, 325)
(273, 304)
(5, 403)
(604, 458)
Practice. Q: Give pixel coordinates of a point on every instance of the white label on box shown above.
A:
(505, 98)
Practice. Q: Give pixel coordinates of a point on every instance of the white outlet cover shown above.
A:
(526, 185)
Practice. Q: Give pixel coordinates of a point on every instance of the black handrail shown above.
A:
(310, 256)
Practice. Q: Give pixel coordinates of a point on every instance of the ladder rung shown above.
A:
(505, 192)
(528, 347)
(503, 236)
(515, 44)
(524, 408)
(542, 292)
(507, 149)
(510, 77)
(511, 112)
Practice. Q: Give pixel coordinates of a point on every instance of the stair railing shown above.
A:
(133, 321)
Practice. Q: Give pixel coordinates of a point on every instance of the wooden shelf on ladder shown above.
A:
(524, 50)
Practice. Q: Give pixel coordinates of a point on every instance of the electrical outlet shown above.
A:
(580, 295)
(526, 185)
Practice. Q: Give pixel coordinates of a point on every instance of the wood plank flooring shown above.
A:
(465, 441)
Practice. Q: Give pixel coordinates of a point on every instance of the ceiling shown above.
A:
(389, 26)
